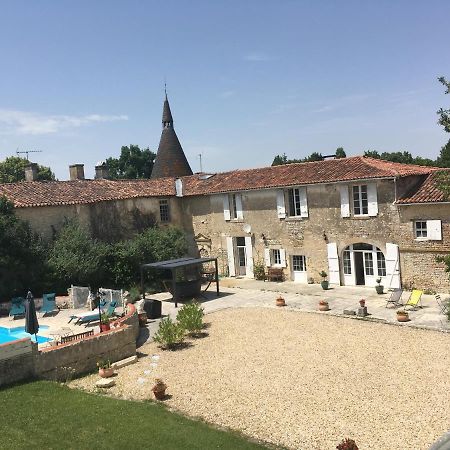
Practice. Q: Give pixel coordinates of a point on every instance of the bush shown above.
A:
(190, 317)
(169, 334)
(347, 444)
(259, 271)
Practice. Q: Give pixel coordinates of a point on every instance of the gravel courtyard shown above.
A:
(304, 380)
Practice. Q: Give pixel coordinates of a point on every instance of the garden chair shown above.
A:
(48, 304)
(17, 307)
(444, 305)
(93, 316)
(395, 298)
(414, 299)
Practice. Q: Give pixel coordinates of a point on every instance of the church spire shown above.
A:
(170, 158)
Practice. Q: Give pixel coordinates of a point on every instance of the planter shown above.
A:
(379, 289)
(106, 372)
(142, 319)
(104, 327)
(280, 301)
(362, 303)
(402, 317)
(324, 285)
(159, 393)
(324, 307)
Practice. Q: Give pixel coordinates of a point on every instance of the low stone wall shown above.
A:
(21, 359)
(17, 361)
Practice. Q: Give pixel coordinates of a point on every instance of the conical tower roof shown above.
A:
(170, 158)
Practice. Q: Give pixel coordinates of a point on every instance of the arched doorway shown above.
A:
(362, 264)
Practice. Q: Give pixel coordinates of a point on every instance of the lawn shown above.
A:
(47, 415)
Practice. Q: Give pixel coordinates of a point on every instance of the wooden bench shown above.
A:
(76, 337)
(275, 274)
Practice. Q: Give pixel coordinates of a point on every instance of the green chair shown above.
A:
(17, 307)
(414, 299)
(48, 304)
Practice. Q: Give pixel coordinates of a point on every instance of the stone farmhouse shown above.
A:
(356, 218)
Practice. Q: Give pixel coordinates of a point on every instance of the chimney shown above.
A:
(31, 172)
(101, 171)
(76, 172)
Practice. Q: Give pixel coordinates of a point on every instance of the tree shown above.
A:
(340, 153)
(132, 163)
(443, 159)
(314, 156)
(372, 154)
(444, 114)
(280, 160)
(22, 255)
(12, 169)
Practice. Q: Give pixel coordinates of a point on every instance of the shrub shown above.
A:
(347, 444)
(259, 271)
(190, 317)
(169, 334)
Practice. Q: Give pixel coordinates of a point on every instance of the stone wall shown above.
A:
(17, 361)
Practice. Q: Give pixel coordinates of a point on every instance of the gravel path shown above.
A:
(303, 380)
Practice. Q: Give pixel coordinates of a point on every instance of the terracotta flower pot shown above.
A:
(362, 303)
(402, 317)
(280, 301)
(105, 327)
(324, 307)
(106, 372)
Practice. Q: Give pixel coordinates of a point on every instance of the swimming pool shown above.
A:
(15, 333)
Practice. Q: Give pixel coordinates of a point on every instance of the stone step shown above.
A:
(105, 383)
(124, 362)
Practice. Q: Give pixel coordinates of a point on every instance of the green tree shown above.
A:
(372, 154)
(340, 153)
(444, 114)
(22, 255)
(12, 169)
(314, 156)
(280, 160)
(443, 159)
(132, 163)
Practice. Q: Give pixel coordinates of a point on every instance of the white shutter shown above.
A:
(392, 266)
(226, 207)
(434, 230)
(333, 264)
(345, 204)
(283, 257)
(372, 200)
(303, 202)
(267, 256)
(249, 256)
(239, 214)
(230, 251)
(281, 208)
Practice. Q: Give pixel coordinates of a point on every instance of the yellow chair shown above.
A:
(414, 299)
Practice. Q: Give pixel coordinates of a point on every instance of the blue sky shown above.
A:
(246, 79)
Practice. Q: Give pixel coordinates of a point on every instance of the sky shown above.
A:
(246, 80)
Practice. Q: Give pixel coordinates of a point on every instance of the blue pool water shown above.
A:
(13, 334)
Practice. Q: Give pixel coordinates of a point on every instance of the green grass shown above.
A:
(47, 415)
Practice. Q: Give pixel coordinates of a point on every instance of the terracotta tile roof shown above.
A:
(47, 193)
(328, 171)
(427, 192)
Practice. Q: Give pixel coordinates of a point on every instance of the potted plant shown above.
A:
(379, 287)
(280, 301)
(324, 282)
(347, 444)
(402, 315)
(104, 368)
(104, 322)
(323, 305)
(362, 303)
(159, 389)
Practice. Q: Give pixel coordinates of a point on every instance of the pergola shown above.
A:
(173, 265)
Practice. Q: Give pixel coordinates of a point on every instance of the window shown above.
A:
(360, 203)
(233, 209)
(381, 263)
(164, 210)
(368, 263)
(347, 263)
(294, 202)
(299, 263)
(276, 257)
(421, 229)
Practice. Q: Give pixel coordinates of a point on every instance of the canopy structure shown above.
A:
(173, 265)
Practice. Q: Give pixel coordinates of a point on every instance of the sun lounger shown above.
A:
(93, 316)
(414, 299)
(48, 304)
(395, 298)
(443, 304)
(17, 307)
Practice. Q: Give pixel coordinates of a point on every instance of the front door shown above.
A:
(299, 269)
(241, 257)
(359, 268)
